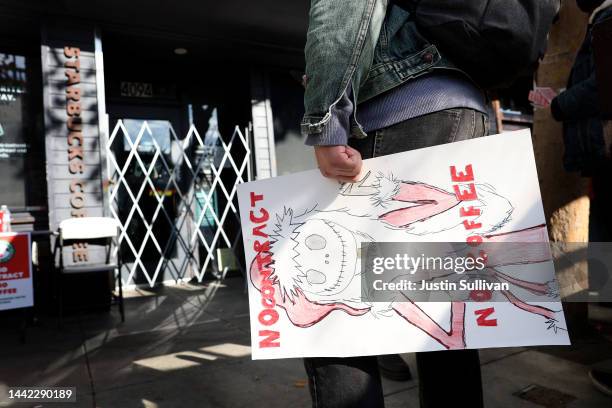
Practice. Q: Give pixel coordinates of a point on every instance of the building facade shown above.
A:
(149, 113)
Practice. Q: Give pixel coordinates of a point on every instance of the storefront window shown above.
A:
(16, 129)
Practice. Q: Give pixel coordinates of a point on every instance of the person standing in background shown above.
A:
(587, 147)
(578, 105)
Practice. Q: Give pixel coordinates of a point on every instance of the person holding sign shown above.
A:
(375, 86)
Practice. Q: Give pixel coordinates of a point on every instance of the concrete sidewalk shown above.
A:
(188, 346)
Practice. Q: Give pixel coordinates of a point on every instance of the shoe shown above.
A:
(602, 380)
(393, 367)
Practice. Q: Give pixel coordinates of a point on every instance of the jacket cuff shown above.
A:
(335, 131)
(330, 136)
(556, 111)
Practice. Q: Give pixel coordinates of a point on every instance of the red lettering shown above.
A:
(469, 211)
(482, 255)
(482, 314)
(268, 302)
(470, 225)
(270, 339)
(466, 195)
(259, 247)
(480, 295)
(474, 240)
(265, 276)
(263, 260)
(262, 218)
(255, 198)
(267, 291)
(462, 177)
(258, 231)
(268, 317)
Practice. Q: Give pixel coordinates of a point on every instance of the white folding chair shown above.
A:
(95, 231)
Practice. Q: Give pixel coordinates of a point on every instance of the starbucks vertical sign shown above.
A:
(15, 271)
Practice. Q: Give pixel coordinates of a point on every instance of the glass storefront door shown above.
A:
(151, 192)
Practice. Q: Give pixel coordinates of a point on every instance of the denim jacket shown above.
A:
(578, 108)
(369, 45)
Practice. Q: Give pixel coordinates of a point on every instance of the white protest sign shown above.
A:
(303, 233)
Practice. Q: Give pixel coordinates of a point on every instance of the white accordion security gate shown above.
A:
(176, 201)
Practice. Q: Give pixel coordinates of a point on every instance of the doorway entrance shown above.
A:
(174, 195)
(177, 149)
(144, 154)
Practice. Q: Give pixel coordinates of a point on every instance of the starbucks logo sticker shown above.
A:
(7, 251)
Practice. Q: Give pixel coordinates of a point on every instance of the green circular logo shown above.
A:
(7, 251)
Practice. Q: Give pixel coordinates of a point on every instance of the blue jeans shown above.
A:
(446, 378)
